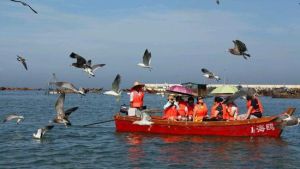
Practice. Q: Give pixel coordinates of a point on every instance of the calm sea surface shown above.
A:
(100, 146)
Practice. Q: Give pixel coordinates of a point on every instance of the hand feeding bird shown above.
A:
(115, 88)
(25, 4)
(14, 116)
(239, 49)
(208, 74)
(85, 65)
(70, 86)
(23, 61)
(41, 131)
(62, 116)
(146, 60)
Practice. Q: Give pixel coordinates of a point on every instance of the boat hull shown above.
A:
(267, 126)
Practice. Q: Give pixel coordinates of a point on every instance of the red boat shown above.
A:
(269, 126)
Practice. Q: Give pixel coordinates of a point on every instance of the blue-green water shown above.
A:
(101, 147)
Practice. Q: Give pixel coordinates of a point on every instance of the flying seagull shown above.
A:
(68, 85)
(12, 117)
(25, 4)
(208, 74)
(115, 87)
(289, 120)
(41, 131)
(241, 93)
(239, 49)
(62, 116)
(23, 61)
(85, 65)
(146, 60)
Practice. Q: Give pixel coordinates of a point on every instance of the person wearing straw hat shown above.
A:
(137, 95)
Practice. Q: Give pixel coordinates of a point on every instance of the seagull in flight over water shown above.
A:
(85, 65)
(41, 131)
(146, 60)
(25, 4)
(23, 61)
(69, 86)
(115, 88)
(208, 74)
(12, 117)
(62, 116)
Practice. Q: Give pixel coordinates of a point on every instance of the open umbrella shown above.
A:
(224, 90)
(180, 89)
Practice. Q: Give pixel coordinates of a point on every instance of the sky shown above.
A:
(182, 35)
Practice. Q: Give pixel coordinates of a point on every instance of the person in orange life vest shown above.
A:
(170, 109)
(190, 108)
(254, 106)
(232, 111)
(182, 108)
(218, 110)
(137, 95)
(200, 110)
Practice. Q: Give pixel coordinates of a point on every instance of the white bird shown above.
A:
(23, 61)
(289, 120)
(68, 85)
(145, 120)
(62, 116)
(41, 131)
(12, 117)
(85, 65)
(115, 88)
(208, 74)
(146, 60)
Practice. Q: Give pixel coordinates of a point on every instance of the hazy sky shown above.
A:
(182, 35)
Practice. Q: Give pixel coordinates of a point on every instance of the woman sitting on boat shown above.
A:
(170, 109)
(200, 110)
(231, 111)
(190, 107)
(182, 108)
(218, 110)
(254, 106)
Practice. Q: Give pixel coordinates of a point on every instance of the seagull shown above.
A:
(289, 120)
(25, 4)
(145, 120)
(41, 131)
(115, 87)
(146, 60)
(241, 93)
(23, 61)
(62, 116)
(14, 116)
(68, 85)
(85, 65)
(239, 49)
(208, 74)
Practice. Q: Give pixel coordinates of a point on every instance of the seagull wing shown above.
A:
(147, 58)
(205, 71)
(94, 67)
(240, 45)
(89, 63)
(32, 9)
(69, 111)
(48, 127)
(116, 83)
(10, 117)
(59, 105)
(235, 96)
(66, 85)
(25, 4)
(24, 64)
(80, 59)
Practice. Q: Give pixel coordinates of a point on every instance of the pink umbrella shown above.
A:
(180, 89)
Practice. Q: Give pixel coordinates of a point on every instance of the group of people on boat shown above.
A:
(180, 110)
(177, 109)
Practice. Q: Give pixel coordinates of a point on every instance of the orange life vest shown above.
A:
(229, 114)
(257, 107)
(182, 106)
(190, 109)
(218, 107)
(170, 112)
(138, 99)
(200, 110)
